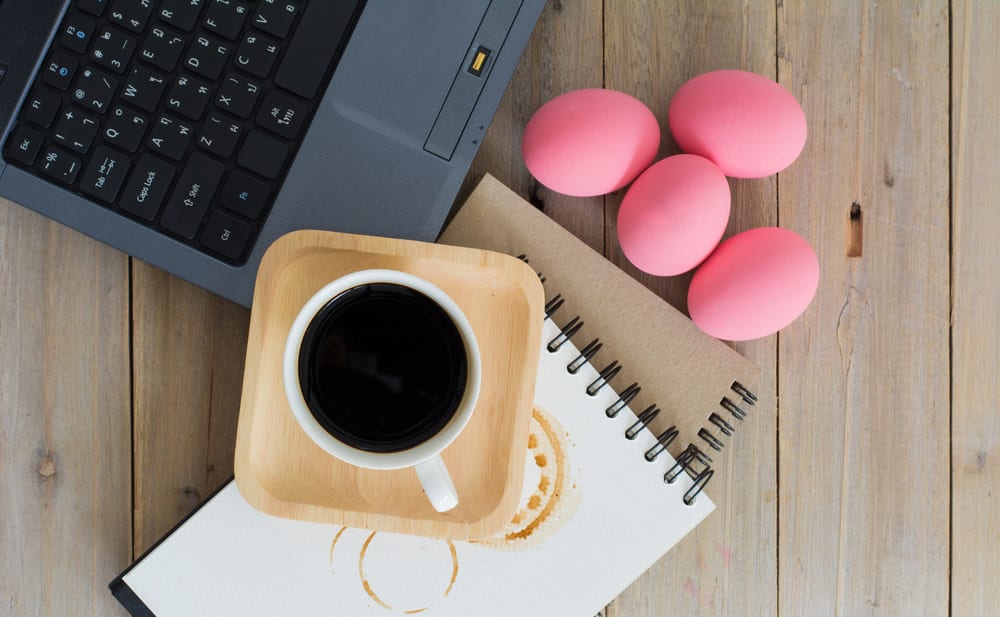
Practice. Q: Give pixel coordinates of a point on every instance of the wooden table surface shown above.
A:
(867, 482)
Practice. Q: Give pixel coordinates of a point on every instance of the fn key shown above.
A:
(226, 235)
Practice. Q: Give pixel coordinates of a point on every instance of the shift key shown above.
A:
(147, 188)
(193, 194)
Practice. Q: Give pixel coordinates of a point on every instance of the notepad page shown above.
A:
(594, 515)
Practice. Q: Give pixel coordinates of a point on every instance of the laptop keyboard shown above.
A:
(183, 115)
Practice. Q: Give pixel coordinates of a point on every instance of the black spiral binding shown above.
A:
(693, 459)
(644, 418)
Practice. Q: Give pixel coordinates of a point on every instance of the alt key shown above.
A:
(226, 235)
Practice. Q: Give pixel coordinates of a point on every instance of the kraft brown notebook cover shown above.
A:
(678, 367)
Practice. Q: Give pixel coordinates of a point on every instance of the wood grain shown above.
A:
(862, 499)
(863, 375)
(281, 471)
(64, 419)
(188, 351)
(728, 565)
(975, 295)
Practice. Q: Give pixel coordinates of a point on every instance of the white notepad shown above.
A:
(595, 514)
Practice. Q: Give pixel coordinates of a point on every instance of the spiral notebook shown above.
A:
(658, 355)
(603, 498)
(602, 501)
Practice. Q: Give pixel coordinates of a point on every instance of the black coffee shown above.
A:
(382, 367)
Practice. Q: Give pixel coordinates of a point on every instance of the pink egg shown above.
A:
(747, 124)
(673, 215)
(590, 142)
(754, 284)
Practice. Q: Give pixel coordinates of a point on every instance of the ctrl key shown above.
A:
(147, 187)
(226, 235)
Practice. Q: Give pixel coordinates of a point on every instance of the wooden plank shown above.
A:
(975, 551)
(863, 380)
(188, 351)
(728, 564)
(564, 54)
(65, 511)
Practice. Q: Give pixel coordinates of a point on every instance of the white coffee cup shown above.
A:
(424, 457)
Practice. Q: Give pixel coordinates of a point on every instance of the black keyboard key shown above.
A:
(120, 108)
(192, 195)
(225, 17)
(59, 165)
(143, 88)
(207, 57)
(94, 7)
(112, 49)
(41, 107)
(147, 187)
(226, 235)
(238, 95)
(281, 114)
(77, 31)
(163, 48)
(244, 195)
(131, 14)
(76, 130)
(256, 55)
(312, 48)
(181, 13)
(219, 135)
(189, 96)
(125, 128)
(59, 69)
(94, 89)
(24, 144)
(263, 155)
(105, 174)
(169, 137)
(276, 16)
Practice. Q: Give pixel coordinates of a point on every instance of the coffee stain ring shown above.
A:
(367, 585)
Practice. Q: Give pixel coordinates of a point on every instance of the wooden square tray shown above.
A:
(280, 471)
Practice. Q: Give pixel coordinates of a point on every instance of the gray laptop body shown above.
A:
(385, 154)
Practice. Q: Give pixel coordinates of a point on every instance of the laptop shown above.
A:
(193, 133)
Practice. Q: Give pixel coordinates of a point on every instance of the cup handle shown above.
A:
(437, 484)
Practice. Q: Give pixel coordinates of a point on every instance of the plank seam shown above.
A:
(778, 6)
(131, 404)
(951, 304)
